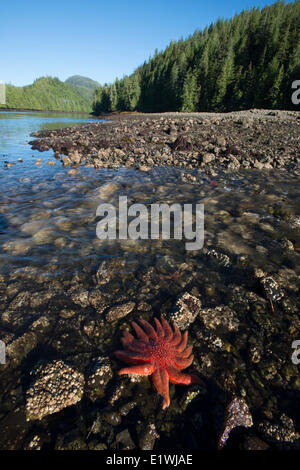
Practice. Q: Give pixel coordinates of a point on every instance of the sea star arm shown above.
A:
(127, 337)
(183, 363)
(132, 357)
(159, 328)
(141, 369)
(149, 329)
(176, 336)
(187, 352)
(136, 346)
(167, 329)
(182, 345)
(177, 377)
(140, 332)
(161, 383)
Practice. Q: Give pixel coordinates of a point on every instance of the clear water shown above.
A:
(48, 244)
(15, 131)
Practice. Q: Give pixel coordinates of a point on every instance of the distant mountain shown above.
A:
(49, 94)
(83, 85)
(82, 81)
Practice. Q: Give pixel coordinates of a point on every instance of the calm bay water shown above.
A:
(15, 130)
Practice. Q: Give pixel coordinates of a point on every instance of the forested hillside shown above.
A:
(248, 61)
(47, 93)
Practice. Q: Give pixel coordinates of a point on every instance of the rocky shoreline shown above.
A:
(261, 139)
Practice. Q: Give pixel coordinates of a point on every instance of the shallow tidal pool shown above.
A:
(58, 282)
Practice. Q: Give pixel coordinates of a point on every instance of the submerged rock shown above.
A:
(191, 394)
(271, 289)
(55, 387)
(221, 258)
(100, 375)
(283, 434)
(97, 300)
(112, 417)
(185, 311)
(254, 443)
(107, 190)
(221, 316)
(13, 430)
(237, 414)
(107, 270)
(124, 441)
(119, 311)
(80, 297)
(72, 440)
(18, 349)
(147, 437)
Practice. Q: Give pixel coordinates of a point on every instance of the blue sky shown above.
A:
(99, 39)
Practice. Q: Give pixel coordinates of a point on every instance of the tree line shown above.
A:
(249, 61)
(47, 93)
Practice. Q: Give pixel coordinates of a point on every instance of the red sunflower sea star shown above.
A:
(161, 352)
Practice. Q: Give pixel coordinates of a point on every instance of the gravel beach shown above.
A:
(260, 139)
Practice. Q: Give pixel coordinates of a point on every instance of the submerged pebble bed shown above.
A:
(66, 296)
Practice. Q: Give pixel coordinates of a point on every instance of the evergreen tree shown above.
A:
(189, 97)
(276, 93)
(224, 81)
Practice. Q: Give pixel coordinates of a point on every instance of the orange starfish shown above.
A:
(161, 352)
